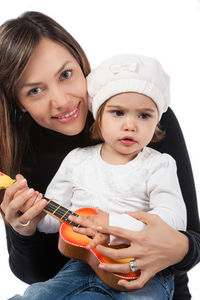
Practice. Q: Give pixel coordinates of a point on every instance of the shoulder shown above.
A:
(82, 154)
(158, 159)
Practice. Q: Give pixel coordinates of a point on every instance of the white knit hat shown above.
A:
(128, 73)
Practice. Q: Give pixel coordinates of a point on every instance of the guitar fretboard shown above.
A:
(59, 212)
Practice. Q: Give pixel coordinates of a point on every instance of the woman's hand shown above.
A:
(154, 249)
(20, 198)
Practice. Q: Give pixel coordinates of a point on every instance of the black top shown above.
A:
(37, 258)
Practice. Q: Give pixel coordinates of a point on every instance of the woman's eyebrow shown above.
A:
(63, 67)
(31, 84)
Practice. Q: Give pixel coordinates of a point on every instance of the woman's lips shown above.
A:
(67, 116)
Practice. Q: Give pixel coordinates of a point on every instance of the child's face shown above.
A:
(128, 123)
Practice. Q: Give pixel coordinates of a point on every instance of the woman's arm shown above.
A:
(30, 258)
(155, 248)
(34, 258)
(174, 145)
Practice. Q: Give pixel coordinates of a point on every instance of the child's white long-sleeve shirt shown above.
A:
(149, 183)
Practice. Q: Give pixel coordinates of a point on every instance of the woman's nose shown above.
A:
(58, 98)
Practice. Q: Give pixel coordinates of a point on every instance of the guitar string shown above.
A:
(61, 212)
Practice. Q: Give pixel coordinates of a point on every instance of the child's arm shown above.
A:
(60, 191)
(165, 195)
(165, 198)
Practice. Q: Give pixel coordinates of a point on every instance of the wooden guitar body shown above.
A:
(73, 245)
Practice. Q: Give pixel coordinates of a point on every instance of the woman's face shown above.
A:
(53, 89)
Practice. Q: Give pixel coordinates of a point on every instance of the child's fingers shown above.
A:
(93, 244)
(98, 239)
(83, 220)
(86, 231)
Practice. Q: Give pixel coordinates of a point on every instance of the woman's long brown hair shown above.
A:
(18, 39)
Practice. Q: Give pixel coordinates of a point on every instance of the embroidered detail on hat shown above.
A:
(116, 69)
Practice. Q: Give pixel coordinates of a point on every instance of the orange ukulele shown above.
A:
(73, 244)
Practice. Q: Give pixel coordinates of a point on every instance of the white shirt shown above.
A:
(149, 183)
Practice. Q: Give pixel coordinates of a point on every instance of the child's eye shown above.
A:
(143, 116)
(117, 113)
(35, 91)
(66, 74)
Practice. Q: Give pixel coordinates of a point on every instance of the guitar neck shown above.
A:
(59, 212)
(52, 208)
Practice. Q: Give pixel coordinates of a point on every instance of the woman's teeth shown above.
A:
(68, 115)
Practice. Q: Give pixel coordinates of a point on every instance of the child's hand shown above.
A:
(99, 239)
(90, 223)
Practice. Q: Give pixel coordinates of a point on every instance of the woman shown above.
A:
(43, 115)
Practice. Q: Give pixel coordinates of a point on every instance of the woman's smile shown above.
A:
(67, 116)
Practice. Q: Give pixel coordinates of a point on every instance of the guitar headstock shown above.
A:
(5, 181)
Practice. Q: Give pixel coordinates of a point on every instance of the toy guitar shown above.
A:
(72, 244)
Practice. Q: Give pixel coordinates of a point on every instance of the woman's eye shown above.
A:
(117, 113)
(66, 75)
(35, 91)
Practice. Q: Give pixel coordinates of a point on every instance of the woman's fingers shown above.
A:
(119, 232)
(147, 218)
(33, 215)
(115, 268)
(11, 191)
(17, 204)
(33, 212)
(115, 253)
(19, 177)
(30, 202)
(138, 283)
(22, 206)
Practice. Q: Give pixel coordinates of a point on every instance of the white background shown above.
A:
(166, 29)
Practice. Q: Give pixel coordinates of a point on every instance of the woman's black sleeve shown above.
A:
(37, 258)
(34, 258)
(174, 144)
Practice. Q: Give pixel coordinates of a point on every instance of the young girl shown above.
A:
(127, 96)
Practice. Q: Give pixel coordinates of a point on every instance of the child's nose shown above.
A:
(129, 124)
